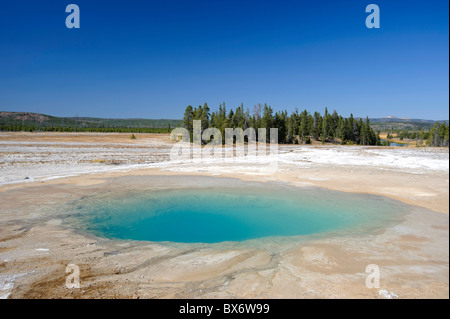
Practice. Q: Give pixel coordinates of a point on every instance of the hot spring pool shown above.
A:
(213, 215)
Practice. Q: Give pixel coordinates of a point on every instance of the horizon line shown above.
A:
(389, 117)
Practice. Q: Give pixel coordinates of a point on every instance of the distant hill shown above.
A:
(401, 120)
(37, 121)
(395, 123)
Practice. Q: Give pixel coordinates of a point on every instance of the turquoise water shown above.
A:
(218, 214)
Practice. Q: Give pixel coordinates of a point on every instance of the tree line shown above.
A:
(438, 135)
(298, 127)
(36, 122)
(74, 128)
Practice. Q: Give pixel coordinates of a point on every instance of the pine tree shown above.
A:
(304, 129)
(267, 120)
(317, 126)
(325, 126)
(280, 123)
(204, 116)
(188, 118)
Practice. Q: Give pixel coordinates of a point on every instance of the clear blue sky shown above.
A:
(150, 59)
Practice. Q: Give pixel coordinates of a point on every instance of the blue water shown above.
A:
(395, 144)
(217, 214)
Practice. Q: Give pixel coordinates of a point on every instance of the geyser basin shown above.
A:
(218, 214)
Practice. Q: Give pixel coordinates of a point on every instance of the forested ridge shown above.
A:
(36, 122)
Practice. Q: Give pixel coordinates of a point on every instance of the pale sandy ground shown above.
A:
(41, 171)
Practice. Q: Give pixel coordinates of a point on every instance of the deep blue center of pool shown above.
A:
(218, 215)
